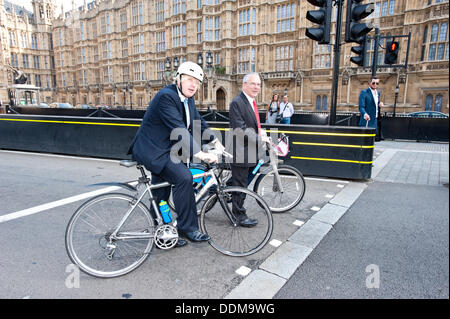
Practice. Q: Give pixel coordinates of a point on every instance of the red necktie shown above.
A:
(255, 109)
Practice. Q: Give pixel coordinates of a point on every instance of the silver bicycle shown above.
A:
(282, 186)
(112, 234)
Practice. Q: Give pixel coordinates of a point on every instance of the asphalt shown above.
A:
(387, 237)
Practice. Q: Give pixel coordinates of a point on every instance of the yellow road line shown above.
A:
(306, 133)
(334, 145)
(330, 160)
(70, 122)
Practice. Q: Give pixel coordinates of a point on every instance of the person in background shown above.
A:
(286, 110)
(273, 109)
(370, 105)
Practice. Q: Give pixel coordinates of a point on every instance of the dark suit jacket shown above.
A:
(247, 144)
(367, 105)
(152, 144)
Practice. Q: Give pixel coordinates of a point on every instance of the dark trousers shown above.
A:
(183, 194)
(240, 177)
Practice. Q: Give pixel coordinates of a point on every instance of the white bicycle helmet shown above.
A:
(192, 69)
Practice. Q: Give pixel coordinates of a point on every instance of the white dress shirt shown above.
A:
(375, 98)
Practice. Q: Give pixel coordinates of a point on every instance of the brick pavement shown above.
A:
(414, 163)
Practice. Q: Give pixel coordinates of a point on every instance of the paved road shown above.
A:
(37, 199)
(389, 233)
(393, 242)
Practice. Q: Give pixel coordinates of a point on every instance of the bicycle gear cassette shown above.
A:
(166, 236)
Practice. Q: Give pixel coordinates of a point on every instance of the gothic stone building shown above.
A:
(115, 52)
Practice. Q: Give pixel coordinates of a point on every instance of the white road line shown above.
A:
(61, 156)
(327, 180)
(61, 202)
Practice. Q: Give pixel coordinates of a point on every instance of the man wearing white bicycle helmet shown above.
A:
(166, 136)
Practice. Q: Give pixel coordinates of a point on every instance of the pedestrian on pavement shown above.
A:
(370, 105)
(173, 108)
(286, 110)
(248, 140)
(273, 109)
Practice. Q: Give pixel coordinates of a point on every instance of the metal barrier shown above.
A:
(331, 151)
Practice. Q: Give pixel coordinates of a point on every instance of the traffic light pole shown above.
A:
(337, 56)
(375, 53)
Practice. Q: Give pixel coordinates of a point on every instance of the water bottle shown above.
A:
(165, 211)
(260, 162)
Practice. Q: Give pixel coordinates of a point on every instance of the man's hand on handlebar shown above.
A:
(207, 157)
(219, 147)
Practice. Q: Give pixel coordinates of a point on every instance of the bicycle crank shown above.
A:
(166, 236)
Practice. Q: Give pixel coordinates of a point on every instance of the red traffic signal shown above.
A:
(391, 54)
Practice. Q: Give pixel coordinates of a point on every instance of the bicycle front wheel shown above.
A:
(89, 241)
(281, 199)
(228, 236)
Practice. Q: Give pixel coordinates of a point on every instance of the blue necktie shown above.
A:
(186, 109)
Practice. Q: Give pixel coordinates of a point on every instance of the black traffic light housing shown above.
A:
(391, 54)
(323, 18)
(360, 51)
(354, 29)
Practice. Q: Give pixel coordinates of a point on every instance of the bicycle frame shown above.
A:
(125, 217)
(213, 181)
(274, 164)
(148, 190)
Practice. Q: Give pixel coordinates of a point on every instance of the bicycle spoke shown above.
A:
(237, 240)
(88, 236)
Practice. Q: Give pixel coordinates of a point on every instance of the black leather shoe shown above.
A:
(245, 221)
(181, 242)
(195, 236)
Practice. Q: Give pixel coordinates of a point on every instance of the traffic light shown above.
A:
(354, 29)
(391, 54)
(360, 51)
(321, 17)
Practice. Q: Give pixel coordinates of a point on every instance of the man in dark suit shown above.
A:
(370, 105)
(248, 139)
(166, 127)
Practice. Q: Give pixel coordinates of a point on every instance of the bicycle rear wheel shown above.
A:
(227, 235)
(293, 188)
(90, 245)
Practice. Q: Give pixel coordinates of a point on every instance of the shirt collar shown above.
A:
(182, 97)
(250, 99)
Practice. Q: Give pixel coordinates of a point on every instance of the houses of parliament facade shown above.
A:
(121, 52)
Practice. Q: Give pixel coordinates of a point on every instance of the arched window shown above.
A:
(438, 103)
(324, 103)
(428, 102)
(318, 102)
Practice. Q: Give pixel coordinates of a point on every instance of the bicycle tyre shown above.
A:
(292, 196)
(236, 240)
(88, 229)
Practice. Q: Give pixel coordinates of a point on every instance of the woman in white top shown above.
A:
(273, 109)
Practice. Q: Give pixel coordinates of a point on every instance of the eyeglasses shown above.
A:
(375, 83)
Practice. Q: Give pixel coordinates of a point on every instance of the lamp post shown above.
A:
(209, 72)
(200, 59)
(209, 62)
(130, 90)
(395, 98)
(168, 73)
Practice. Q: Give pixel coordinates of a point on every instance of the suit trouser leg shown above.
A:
(180, 177)
(240, 177)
